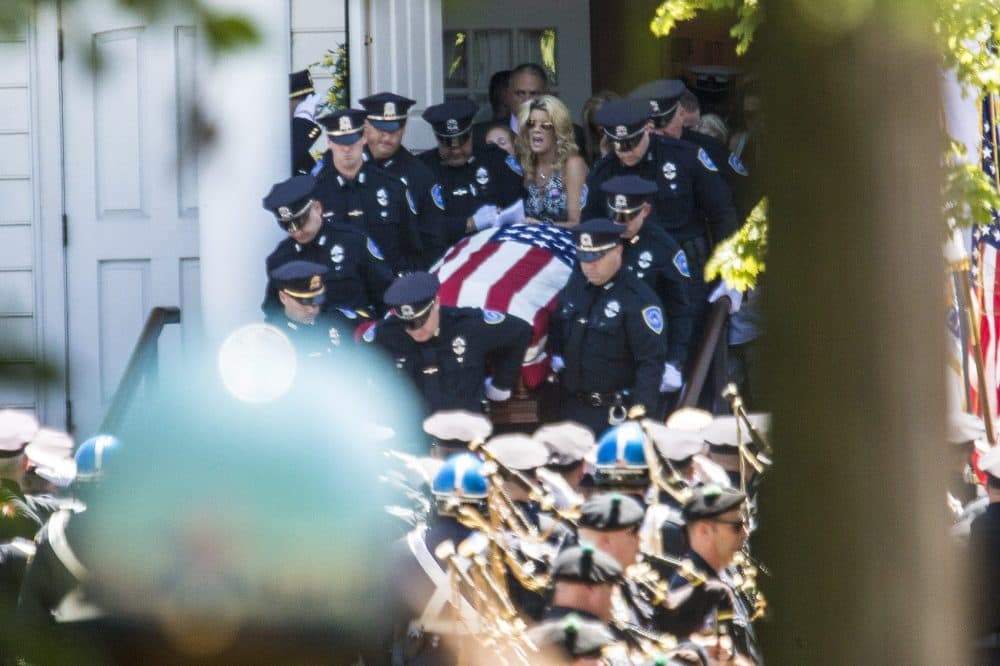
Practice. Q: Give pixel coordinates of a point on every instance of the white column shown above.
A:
(243, 97)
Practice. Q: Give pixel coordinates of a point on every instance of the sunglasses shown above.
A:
(417, 322)
(625, 145)
(542, 124)
(737, 525)
(624, 216)
(454, 141)
(660, 122)
(317, 300)
(294, 224)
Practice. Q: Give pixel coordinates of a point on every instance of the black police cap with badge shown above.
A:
(611, 512)
(596, 237)
(387, 111)
(627, 195)
(452, 120)
(300, 83)
(623, 121)
(302, 280)
(711, 500)
(289, 201)
(586, 564)
(343, 127)
(411, 296)
(662, 96)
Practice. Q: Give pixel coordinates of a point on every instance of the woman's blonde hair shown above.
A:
(561, 121)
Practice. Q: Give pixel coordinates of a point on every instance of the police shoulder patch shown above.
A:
(706, 161)
(316, 169)
(347, 312)
(653, 317)
(409, 201)
(373, 250)
(583, 196)
(369, 334)
(493, 316)
(514, 166)
(437, 197)
(681, 263)
(736, 164)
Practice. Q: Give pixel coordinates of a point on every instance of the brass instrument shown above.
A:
(745, 579)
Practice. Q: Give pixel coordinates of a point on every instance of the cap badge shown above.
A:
(669, 170)
(406, 310)
(390, 109)
(284, 213)
(612, 309)
(345, 124)
(337, 254)
(314, 282)
(382, 196)
(654, 106)
(458, 345)
(482, 176)
(451, 125)
(621, 201)
(621, 131)
(585, 241)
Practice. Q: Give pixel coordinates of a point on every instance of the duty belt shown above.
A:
(596, 399)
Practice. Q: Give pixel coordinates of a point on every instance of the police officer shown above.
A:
(305, 131)
(583, 578)
(653, 255)
(607, 333)
(384, 129)
(358, 273)
(444, 350)
(314, 334)
(360, 194)
(472, 183)
(571, 640)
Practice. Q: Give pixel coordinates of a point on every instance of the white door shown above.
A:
(131, 218)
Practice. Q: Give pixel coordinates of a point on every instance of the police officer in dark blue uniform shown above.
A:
(654, 256)
(358, 274)
(305, 131)
(607, 333)
(473, 183)
(444, 350)
(314, 333)
(360, 194)
(384, 128)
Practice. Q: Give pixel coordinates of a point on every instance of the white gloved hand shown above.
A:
(672, 379)
(307, 107)
(485, 217)
(495, 394)
(557, 363)
(735, 296)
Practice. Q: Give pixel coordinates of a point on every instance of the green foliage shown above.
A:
(963, 26)
(672, 12)
(970, 194)
(338, 95)
(740, 258)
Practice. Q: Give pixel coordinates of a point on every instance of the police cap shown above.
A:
(411, 296)
(672, 443)
(456, 428)
(586, 564)
(627, 194)
(595, 237)
(570, 637)
(452, 118)
(568, 442)
(387, 111)
(720, 434)
(662, 96)
(16, 430)
(610, 512)
(518, 452)
(302, 280)
(711, 500)
(290, 199)
(300, 83)
(622, 120)
(343, 127)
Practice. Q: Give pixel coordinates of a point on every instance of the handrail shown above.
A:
(715, 320)
(143, 364)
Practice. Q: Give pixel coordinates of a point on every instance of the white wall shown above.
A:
(317, 25)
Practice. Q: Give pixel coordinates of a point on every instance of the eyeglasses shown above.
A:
(737, 525)
(625, 145)
(454, 141)
(541, 124)
(417, 322)
(624, 216)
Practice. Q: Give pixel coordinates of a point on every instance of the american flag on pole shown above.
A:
(985, 275)
(518, 269)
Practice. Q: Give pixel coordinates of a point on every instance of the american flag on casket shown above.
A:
(518, 269)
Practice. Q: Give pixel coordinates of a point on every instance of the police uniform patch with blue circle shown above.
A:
(316, 169)
(409, 200)
(681, 263)
(347, 312)
(369, 334)
(374, 251)
(706, 161)
(737, 164)
(493, 317)
(514, 166)
(583, 196)
(653, 317)
(437, 197)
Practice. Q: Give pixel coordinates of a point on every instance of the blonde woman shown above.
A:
(554, 172)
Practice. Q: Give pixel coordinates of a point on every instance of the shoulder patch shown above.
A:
(373, 250)
(681, 263)
(583, 196)
(409, 201)
(736, 164)
(653, 317)
(706, 161)
(493, 317)
(437, 196)
(369, 335)
(316, 169)
(347, 312)
(514, 166)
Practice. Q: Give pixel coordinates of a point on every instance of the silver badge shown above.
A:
(406, 311)
(585, 242)
(654, 106)
(284, 213)
(669, 170)
(621, 131)
(612, 309)
(345, 124)
(621, 201)
(482, 176)
(645, 259)
(451, 125)
(458, 345)
(390, 109)
(335, 337)
(337, 254)
(382, 196)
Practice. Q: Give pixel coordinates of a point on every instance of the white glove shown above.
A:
(485, 217)
(495, 394)
(735, 296)
(672, 379)
(557, 363)
(307, 107)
